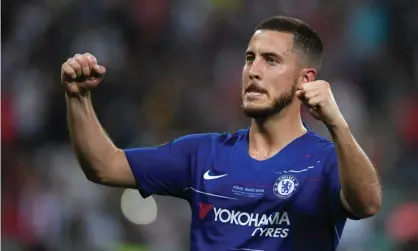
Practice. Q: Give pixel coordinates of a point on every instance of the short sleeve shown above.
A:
(334, 188)
(165, 169)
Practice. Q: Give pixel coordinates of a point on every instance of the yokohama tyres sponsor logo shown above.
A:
(269, 225)
(250, 219)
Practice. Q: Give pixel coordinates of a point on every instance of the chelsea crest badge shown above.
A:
(285, 186)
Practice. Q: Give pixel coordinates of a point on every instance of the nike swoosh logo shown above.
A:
(207, 176)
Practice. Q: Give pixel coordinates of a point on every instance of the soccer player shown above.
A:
(273, 186)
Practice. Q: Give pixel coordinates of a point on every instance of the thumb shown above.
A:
(99, 70)
(300, 93)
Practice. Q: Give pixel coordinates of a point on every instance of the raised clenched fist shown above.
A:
(317, 95)
(81, 73)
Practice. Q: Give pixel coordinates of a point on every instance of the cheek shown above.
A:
(281, 80)
(245, 77)
(245, 72)
(278, 89)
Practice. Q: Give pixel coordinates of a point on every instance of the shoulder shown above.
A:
(228, 138)
(209, 139)
(322, 145)
(325, 148)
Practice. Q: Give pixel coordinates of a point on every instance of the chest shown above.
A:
(232, 183)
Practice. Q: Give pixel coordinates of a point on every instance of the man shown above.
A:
(273, 186)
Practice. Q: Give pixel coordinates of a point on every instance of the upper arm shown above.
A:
(165, 169)
(347, 207)
(338, 204)
(118, 173)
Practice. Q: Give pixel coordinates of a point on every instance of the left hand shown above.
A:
(317, 95)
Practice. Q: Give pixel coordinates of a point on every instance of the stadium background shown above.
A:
(173, 67)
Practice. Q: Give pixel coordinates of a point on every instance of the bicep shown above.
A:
(338, 204)
(160, 170)
(118, 173)
(165, 169)
(151, 170)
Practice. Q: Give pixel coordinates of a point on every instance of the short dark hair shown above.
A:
(305, 39)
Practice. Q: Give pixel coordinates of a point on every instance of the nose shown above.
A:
(255, 70)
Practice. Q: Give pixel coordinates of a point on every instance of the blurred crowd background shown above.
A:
(173, 68)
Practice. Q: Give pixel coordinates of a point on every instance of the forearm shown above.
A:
(95, 151)
(359, 181)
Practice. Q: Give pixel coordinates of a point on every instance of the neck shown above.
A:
(270, 135)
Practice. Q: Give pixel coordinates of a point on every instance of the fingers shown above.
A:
(82, 66)
(99, 70)
(307, 95)
(303, 89)
(90, 59)
(316, 101)
(75, 66)
(83, 61)
(312, 89)
(95, 69)
(315, 84)
(68, 71)
(312, 93)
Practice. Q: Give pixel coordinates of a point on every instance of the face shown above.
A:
(270, 74)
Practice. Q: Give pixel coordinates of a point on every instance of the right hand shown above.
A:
(81, 73)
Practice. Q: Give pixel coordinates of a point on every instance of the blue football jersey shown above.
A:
(289, 202)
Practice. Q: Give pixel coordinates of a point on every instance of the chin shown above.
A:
(262, 111)
(258, 112)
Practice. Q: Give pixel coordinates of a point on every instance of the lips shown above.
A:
(254, 88)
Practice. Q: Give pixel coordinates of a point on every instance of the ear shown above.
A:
(308, 75)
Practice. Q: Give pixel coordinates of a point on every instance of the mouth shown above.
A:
(254, 91)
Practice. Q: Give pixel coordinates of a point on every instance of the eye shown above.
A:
(249, 58)
(271, 60)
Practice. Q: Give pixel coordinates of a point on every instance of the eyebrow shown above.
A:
(267, 54)
(249, 52)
